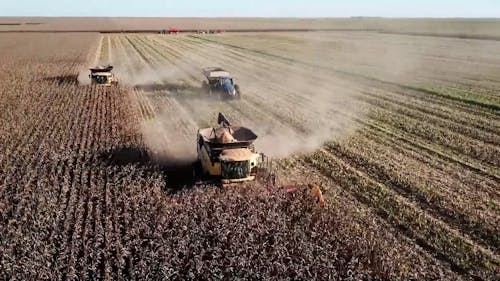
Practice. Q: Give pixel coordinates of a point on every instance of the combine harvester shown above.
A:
(220, 83)
(101, 75)
(226, 156)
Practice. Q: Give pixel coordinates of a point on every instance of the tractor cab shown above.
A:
(220, 83)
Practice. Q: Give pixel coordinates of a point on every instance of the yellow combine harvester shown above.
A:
(227, 153)
(101, 75)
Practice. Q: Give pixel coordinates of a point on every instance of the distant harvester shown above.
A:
(102, 75)
(171, 30)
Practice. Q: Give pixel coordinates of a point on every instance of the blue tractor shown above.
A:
(220, 84)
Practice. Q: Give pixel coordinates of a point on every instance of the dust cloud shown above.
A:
(318, 116)
(312, 114)
(322, 117)
(295, 105)
(83, 77)
(305, 106)
(168, 144)
(148, 76)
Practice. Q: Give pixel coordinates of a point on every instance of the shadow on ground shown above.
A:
(183, 92)
(125, 155)
(178, 174)
(63, 79)
(170, 87)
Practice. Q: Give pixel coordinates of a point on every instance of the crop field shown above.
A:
(401, 132)
(459, 27)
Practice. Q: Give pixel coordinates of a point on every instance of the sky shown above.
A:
(249, 8)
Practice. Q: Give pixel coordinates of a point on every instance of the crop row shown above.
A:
(276, 103)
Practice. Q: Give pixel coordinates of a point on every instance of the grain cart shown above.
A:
(102, 75)
(220, 83)
(226, 153)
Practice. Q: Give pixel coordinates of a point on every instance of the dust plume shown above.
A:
(168, 144)
(147, 76)
(324, 100)
(293, 97)
(299, 119)
(330, 122)
(293, 106)
(305, 105)
(83, 77)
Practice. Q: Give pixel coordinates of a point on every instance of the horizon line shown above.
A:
(253, 17)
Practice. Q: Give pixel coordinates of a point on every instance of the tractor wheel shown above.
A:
(238, 92)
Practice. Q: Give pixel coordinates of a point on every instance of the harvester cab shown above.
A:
(102, 75)
(219, 82)
(227, 153)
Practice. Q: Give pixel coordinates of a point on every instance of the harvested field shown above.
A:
(401, 132)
